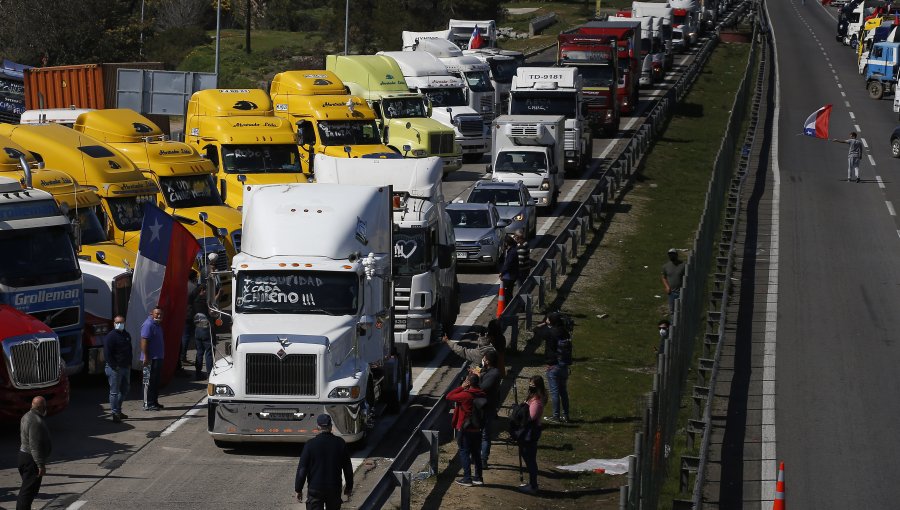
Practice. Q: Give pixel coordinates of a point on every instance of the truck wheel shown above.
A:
(895, 147)
(876, 89)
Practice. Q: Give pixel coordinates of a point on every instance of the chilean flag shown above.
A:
(817, 124)
(476, 41)
(165, 255)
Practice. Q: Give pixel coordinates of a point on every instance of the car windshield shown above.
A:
(297, 292)
(89, 225)
(128, 212)
(597, 76)
(404, 107)
(479, 81)
(349, 132)
(521, 162)
(538, 103)
(500, 197)
(189, 191)
(446, 97)
(412, 251)
(477, 218)
(37, 256)
(503, 70)
(260, 159)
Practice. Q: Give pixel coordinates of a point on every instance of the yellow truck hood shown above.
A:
(220, 216)
(115, 254)
(234, 195)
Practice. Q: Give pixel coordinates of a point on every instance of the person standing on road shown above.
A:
(34, 449)
(509, 267)
(468, 437)
(204, 345)
(152, 352)
(193, 288)
(558, 355)
(323, 460)
(536, 400)
(117, 352)
(672, 277)
(523, 254)
(854, 154)
(490, 378)
(498, 341)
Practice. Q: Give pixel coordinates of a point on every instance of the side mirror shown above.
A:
(488, 168)
(305, 134)
(406, 148)
(503, 223)
(242, 178)
(211, 154)
(101, 256)
(449, 112)
(445, 256)
(553, 170)
(223, 189)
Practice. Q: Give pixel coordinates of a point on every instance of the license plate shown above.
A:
(462, 255)
(400, 323)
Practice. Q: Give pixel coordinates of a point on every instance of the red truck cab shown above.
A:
(31, 366)
(628, 42)
(596, 58)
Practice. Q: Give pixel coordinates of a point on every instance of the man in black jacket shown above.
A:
(322, 460)
(117, 351)
(554, 334)
(490, 385)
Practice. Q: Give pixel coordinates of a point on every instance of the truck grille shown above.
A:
(35, 362)
(569, 140)
(236, 239)
(440, 143)
(59, 317)
(295, 374)
(471, 126)
(596, 101)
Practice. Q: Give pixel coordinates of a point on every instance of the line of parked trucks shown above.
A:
(322, 321)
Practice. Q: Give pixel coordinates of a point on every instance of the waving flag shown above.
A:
(817, 124)
(476, 41)
(165, 255)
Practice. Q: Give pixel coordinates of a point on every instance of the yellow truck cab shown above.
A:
(79, 203)
(326, 118)
(186, 180)
(238, 131)
(404, 117)
(122, 188)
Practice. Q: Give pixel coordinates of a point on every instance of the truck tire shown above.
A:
(895, 147)
(876, 89)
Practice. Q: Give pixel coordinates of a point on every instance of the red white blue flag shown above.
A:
(165, 256)
(476, 41)
(817, 124)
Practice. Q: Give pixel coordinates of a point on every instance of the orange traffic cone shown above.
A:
(778, 504)
(501, 301)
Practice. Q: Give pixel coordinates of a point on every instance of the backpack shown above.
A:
(564, 350)
(520, 423)
(475, 419)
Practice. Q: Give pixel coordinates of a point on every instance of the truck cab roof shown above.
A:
(235, 116)
(230, 103)
(416, 177)
(421, 64)
(369, 76)
(307, 83)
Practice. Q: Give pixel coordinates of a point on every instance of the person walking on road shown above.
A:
(323, 460)
(509, 267)
(34, 450)
(117, 352)
(468, 436)
(854, 154)
(152, 352)
(490, 378)
(536, 400)
(672, 277)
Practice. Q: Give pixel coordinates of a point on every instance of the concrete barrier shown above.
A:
(537, 24)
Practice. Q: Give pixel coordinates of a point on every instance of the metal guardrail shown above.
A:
(553, 264)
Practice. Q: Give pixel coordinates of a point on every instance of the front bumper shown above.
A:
(415, 338)
(282, 422)
(470, 255)
(451, 163)
(14, 403)
(474, 145)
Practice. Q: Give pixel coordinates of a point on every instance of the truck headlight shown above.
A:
(345, 392)
(419, 153)
(219, 390)
(545, 185)
(519, 217)
(487, 240)
(419, 323)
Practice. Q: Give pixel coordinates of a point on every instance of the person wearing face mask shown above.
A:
(663, 335)
(672, 276)
(117, 352)
(490, 384)
(152, 351)
(34, 449)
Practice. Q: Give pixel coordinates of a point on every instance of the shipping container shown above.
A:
(81, 86)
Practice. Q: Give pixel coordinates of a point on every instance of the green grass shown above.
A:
(569, 14)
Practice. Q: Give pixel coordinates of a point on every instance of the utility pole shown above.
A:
(218, 37)
(247, 44)
(346, 26)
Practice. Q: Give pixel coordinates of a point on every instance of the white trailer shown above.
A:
(527, 148)
(426, 291)
(311, 321)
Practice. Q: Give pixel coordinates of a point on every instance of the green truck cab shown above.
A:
(403, 116)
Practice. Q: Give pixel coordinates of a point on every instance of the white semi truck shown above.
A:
(311, 321)
(426, 290)
(550, 91)
(427, 75)
(528, 148)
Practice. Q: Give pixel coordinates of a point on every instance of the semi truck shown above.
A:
(106, 292)
(425, 74)
(880, 69)
(555, 91)
(30, 364)
(39, 273)
(662, 15)
(311, 321)
(528, 148)
(404, 117)
(628, 44)
(650, 61)
(688, 15)
(238, 131)
(325, 118)
(426, 290)
(596, 58)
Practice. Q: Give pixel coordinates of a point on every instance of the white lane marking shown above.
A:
(769, 457)
(879, 181)
(852, 116)
(871, 159)
(890, 207)
(76, 505)
(898, 233)
(840, 86)
(847, 104)
(184, 418)
(843, 94)
(863, 140)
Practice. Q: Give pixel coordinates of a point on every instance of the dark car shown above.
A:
(512, 201)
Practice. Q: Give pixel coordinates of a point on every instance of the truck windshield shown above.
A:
(446, 97)
(501, 197)
(37, 256)
(261, 159)
(404, 107)
(297, 292)
(541, 103)
(521, 162)
(597, 76)
(351, 132)
(412, 251)
(189, 191)
(89, 224)
(478, 81)
(473, 218)
(503, 70)
(128, 212)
